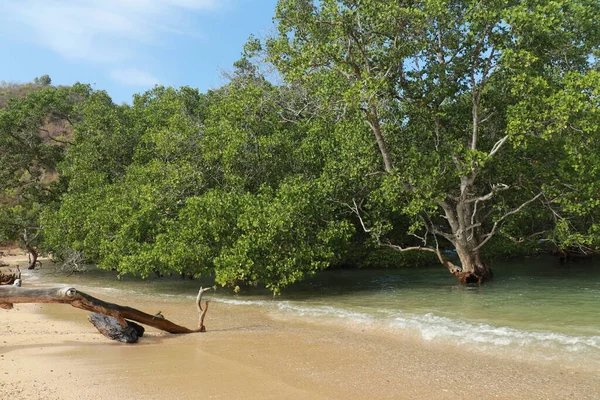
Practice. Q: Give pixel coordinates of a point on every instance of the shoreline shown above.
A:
(52, 352)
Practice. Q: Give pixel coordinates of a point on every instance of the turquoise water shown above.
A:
(534, 308)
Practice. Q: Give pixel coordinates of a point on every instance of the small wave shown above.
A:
(29, 276)
(434, 328)
(236, 302)
(327, 312)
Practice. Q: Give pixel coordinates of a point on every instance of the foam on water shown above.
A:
(434, 328)
(486, 336)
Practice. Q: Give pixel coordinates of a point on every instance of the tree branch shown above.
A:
(373, 121)
(201, 312)
(516, 210)
(403, 249)
(356, 210)
(497, 146)
(495, 189)
(48, 136)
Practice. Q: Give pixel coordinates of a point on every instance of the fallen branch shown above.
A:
(8, 275)
(10, 295)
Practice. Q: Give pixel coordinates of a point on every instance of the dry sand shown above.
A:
(52, 352)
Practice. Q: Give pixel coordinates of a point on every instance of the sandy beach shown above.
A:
(52, 352)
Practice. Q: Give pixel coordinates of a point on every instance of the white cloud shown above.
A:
(102, 32)
(133, 77)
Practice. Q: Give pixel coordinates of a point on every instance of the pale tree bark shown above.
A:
(31, 249)
(33, 257)
(468, 235)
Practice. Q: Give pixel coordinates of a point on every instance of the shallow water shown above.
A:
(534, 309)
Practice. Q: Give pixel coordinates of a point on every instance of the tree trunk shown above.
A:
(472, 269)
(465, 224)
(33, 256)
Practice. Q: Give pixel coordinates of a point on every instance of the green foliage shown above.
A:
(443, 86)
(34, 132)
(43, 80)
(389, 112)
(502, 248)
(274, 238)
(198, 184)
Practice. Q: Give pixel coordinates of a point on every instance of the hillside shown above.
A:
(55, 130)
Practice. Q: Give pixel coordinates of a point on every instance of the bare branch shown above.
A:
(356, 209)
(340, 71)
(528, 237)
(555, 214)
(437, 132)
(497, 146)
(495, 189)
(375, 173)
(413, 248)
(362, 51)
(516, 210)
(421, 238)
(468, 228)
(202, 312)
(481, 121)
(436, 231)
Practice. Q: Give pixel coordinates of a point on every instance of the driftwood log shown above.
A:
(109, 327)
(118, 315)
(8, 275)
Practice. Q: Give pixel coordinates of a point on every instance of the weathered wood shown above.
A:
(201, 327)
(10, 295)
(8, 275)
(109, 327)
(32, 257)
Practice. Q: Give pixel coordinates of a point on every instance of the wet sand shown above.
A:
(52, 352)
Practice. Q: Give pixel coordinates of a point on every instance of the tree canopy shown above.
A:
(409, 125)
(461, 101)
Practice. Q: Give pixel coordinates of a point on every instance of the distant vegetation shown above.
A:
(463, 132)
(35, 128)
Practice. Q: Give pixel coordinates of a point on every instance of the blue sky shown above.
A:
(128, 46)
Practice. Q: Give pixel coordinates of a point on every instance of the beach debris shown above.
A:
(8, 275)
(110, 327)
(159, 315)
(122, 315)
